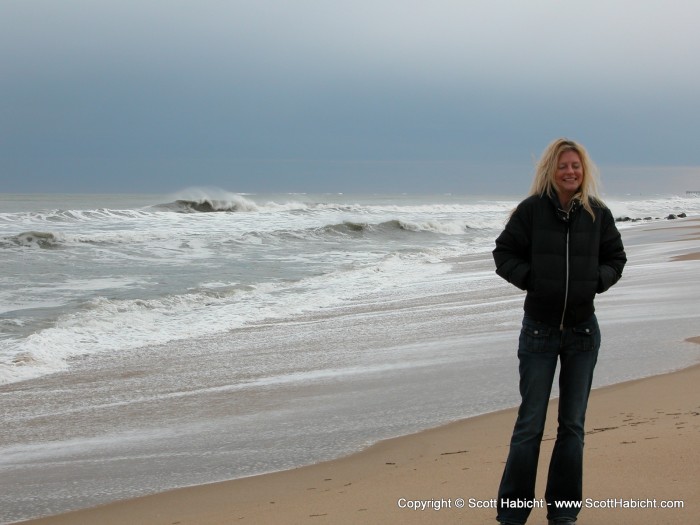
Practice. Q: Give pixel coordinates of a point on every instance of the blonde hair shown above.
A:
(543, 183)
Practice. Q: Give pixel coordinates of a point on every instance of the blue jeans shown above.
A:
(540, 347)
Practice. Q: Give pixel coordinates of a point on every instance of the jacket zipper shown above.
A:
(566, 288)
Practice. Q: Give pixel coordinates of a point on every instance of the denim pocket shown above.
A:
(586, 336)
(534, 336)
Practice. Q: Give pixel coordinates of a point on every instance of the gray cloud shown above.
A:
(299, 94)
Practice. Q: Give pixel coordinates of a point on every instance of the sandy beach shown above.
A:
(642, 449)
(642, 456)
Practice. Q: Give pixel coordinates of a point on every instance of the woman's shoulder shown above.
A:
(601, 209)
(597, 202)
(529, 208)
(533, 200)
(532, 203)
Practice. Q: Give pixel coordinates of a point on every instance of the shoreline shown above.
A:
(644, 429)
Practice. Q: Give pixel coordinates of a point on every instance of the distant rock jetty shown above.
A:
(669, 217)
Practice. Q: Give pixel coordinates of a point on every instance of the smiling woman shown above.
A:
(562, 257)
(566, 170)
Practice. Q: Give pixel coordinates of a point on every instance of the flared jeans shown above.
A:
(540, 348)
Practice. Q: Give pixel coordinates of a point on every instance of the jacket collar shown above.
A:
(562, 214)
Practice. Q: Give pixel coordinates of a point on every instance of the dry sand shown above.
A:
(642, 443)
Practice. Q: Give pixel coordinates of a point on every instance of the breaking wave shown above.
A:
(105, 324)
(351, 228)
(207, 200)
(46, 240)
(207, 206)
(153, 238)
(72, 216)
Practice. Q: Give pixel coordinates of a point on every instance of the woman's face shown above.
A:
(569, 175)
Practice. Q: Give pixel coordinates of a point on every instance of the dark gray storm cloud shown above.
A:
(340, 96)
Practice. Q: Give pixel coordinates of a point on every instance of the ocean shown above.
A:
(149, 342)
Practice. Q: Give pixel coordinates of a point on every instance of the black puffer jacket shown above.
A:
(561, 259)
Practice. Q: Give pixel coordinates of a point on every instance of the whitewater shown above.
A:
(155, 341)
(106, 279)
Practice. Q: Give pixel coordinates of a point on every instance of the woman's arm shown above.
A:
(512, 252)
(612, 257)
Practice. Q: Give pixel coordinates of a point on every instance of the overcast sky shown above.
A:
(353, 96)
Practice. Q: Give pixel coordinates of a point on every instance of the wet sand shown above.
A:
(642, 449)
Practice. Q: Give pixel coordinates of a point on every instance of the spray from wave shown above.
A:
(206, 200)
(202, 200)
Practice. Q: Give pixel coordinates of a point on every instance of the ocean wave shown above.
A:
(105, 324)
(207, 200)
(155, 239)
(379, 231)
(203, 202)
(46, 240)
(72, 216)
(238, 203)
(209, 205)
(53, 240)
(432, 226)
